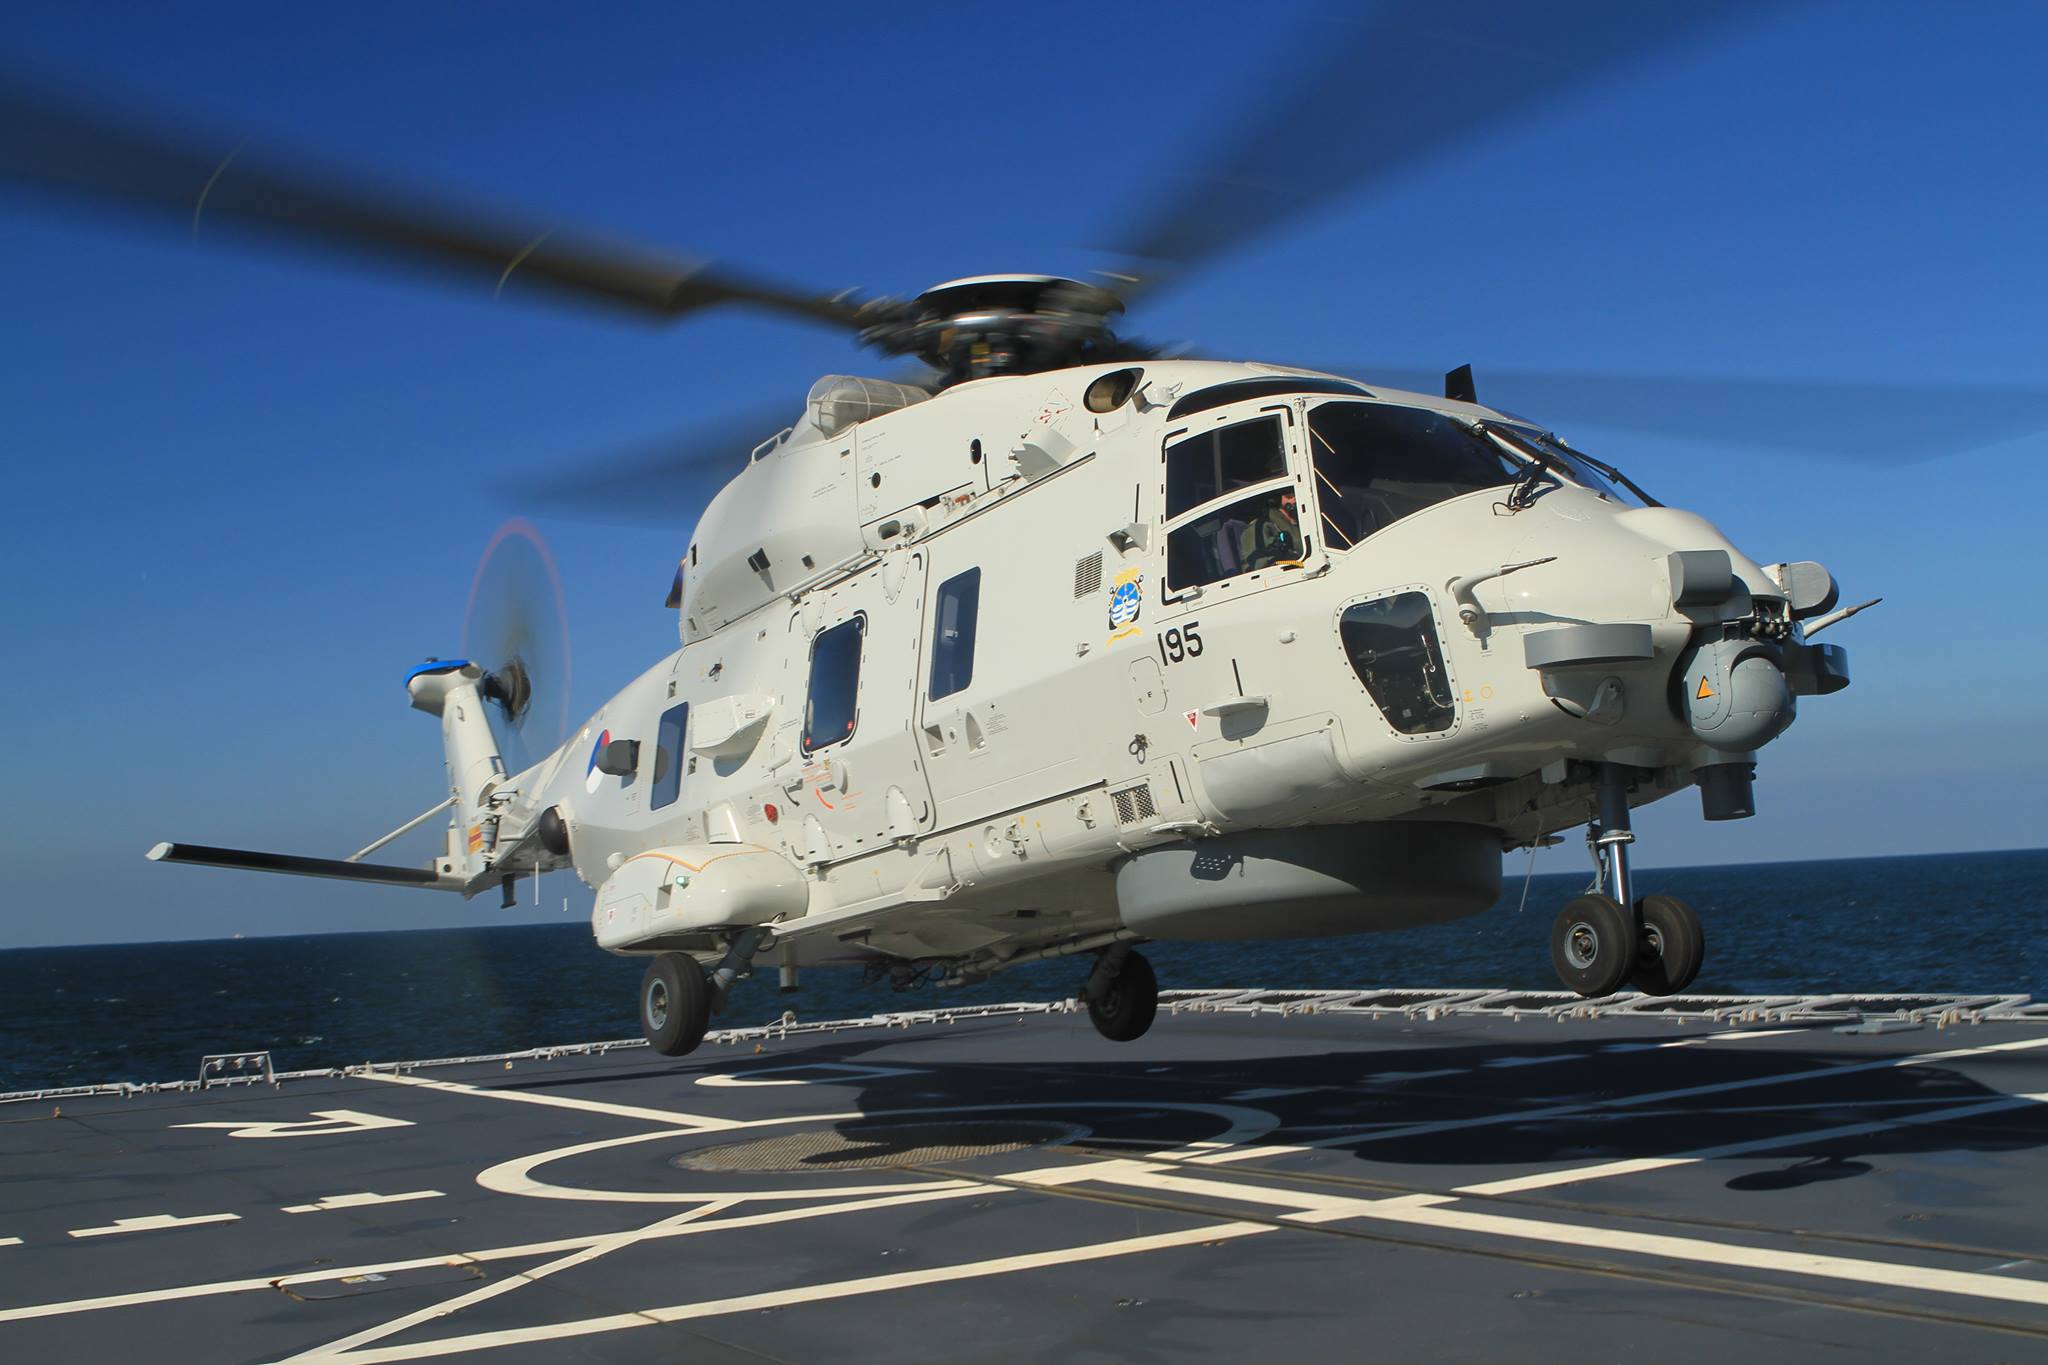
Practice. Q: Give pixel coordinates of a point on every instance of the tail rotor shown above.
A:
(516, 627)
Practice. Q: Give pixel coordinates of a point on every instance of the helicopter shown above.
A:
(1267, 651)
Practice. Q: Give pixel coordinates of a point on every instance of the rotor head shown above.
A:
(1004, 324)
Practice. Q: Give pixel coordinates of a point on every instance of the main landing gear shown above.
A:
(1122, 994)
(675, 1004)
(1601, 941)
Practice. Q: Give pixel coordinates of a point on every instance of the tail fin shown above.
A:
(454, 689)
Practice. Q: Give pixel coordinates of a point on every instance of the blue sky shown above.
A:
(248, 487)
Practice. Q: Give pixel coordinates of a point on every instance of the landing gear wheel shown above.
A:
(1593, 945)
(1125, 1009)
(1669, 951)
(675, 1004)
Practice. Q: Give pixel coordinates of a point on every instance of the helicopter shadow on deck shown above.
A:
(1583, 1101)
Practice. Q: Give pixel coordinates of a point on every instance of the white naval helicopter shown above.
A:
(1074, 644)
(1067, 656)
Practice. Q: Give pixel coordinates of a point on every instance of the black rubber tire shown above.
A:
(675, 1004)
(1670, 948)
(1593, 945)
(1127, 1008)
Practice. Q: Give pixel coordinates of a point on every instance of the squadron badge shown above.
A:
(1126, 596)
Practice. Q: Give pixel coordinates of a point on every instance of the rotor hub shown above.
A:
(1004, 324)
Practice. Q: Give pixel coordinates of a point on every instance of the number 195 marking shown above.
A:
(1180, 643)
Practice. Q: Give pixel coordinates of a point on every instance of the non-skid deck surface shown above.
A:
(1314, 1186)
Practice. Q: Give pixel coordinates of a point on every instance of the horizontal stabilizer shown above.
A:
(249, 860)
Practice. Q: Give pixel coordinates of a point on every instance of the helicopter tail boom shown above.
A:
(341, 869)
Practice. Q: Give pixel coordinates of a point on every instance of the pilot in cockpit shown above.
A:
(1274, 537)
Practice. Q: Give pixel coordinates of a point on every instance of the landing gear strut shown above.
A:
(1122, 994)
(1600, 941)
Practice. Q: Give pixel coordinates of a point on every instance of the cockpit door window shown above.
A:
(1219, 462)
(1253, 533)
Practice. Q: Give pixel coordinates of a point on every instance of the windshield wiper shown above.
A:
(1536, 463)
(1609, 470)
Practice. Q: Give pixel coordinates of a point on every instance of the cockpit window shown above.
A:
(1252, 533)
(1222, 461)
(1376, 463)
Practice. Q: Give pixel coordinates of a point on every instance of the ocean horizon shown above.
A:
(143, 1012)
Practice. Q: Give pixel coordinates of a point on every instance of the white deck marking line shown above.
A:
(358, 1201)
(1574, 1107)
(844, 1072)
(152, 1223)
(1890, 1274)
(1731, 1036)
(1550, 1179)
(513, 1177)
(339, 1350)
(1300, 1200)
(625, 1111)
(517, 1251)
(516, 1175)
(816, 1293)
(324, 1123)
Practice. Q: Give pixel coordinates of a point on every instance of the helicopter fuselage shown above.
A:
(1252, 653)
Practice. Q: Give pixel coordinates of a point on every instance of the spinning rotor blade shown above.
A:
(1880, 423)
(515, 626)
(199, 182)
(1386, 93)
(662, 482)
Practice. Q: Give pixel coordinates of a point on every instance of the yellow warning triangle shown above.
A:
(1704, 692)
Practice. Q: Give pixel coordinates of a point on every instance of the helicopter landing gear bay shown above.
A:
(1061, 644)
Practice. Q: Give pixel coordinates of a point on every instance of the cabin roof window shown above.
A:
(1238, 390)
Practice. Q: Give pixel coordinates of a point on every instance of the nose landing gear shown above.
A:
(1600, 941)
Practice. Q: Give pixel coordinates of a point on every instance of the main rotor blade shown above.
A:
(203, 182)
(661, 482)
(1379, 95)
(1881, 423)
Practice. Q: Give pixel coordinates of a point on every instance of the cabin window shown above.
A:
(1376, 463)
(668, 756)
(1240, 537)
(1222, 461)
(954, 612)
(830, 708)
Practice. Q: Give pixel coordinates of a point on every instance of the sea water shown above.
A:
(148, 1012)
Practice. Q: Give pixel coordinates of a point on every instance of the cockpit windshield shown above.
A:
(1377, 462)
